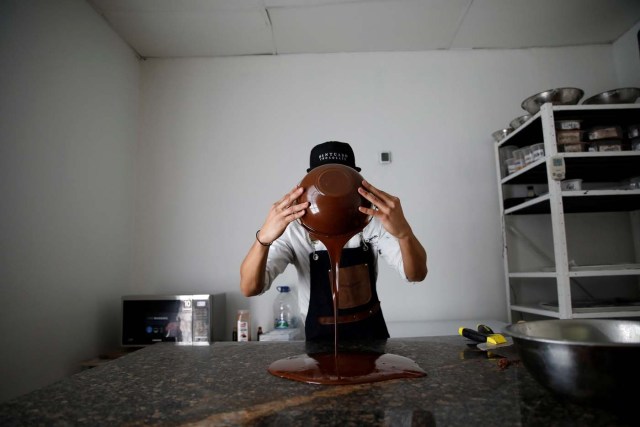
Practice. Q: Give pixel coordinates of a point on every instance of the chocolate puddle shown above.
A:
(340, 367)
(345, 368)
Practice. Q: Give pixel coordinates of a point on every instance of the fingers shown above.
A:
(385, 197)
(289, 198)
(287, 210)
(368, 211)
(294, 210)
(379, 203)
(282, 213)
(297, 214)
(382, 200)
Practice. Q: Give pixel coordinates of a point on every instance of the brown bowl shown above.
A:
(332, 193)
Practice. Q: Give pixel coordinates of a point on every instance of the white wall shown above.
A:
(626, 54)
(68, 123)
(222, 139)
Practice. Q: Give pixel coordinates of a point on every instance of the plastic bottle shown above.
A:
(285, 309)
(244, 325)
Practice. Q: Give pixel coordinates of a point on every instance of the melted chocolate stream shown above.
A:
(343, 367)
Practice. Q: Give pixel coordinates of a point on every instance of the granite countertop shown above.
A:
(227, 383)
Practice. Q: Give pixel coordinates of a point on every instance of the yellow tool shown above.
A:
(493, 339)
(490, 342)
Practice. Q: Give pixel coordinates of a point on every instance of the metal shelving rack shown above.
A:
(589, 166)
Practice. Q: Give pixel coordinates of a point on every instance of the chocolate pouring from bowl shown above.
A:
(332, 193)
(333, 218)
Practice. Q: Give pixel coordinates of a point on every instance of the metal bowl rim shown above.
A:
(509, 330)
(610, 92)
(606, 92)
(534, 99)
(520, 120)
(544, 92)
(506, 130)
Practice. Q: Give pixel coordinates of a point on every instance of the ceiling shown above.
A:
(188, 28)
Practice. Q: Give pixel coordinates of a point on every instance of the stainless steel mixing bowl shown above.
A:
(586, 360)
(625, 95)
(501, 134)
(519, 121)
(559, 96)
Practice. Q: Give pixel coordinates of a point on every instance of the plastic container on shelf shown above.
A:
(518, 159)
(569, 136)
(572, 147)
(568, 124)
(571, 184)
(505, 153)
(538, 151)
(607, 145)
(285, 309)
(605, 132)
(514, 164)
(527, 153)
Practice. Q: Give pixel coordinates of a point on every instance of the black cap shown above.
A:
(332, 152)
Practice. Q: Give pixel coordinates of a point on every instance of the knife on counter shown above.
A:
(482, 337)
(491, 342)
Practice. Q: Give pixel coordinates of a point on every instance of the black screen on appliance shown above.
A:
(149, 321)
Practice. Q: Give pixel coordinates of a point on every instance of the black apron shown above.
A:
(359, 313)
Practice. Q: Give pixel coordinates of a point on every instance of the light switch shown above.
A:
(385, 157)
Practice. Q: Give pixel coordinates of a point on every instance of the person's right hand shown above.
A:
(281, 214)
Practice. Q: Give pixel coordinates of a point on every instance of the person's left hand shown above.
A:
(387, 208)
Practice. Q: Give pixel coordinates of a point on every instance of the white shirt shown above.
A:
(295, 246)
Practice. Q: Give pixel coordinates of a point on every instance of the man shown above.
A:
(282, 241)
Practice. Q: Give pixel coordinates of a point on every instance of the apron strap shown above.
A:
(348, 318)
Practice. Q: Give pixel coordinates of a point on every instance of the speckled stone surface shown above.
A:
(227, 383)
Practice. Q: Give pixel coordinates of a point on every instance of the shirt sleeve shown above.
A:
(388, 247)
(280, 255)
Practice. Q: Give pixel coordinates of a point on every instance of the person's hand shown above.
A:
(281, 214)
(387, 208)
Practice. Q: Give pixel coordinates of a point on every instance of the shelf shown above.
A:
(605, 177)
(536, 205)
(604, 308)
(585, 166)
(582, 201)
(603, 273)
(609, 313)
(535, 310)
(533, 275)
(621, 165)
(620, 312)
(534, 173)
(528, 133)
(599, 115)
(590, 115)
(582, 271)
